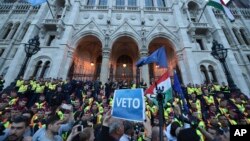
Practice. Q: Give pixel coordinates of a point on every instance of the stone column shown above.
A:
(105, 65)
(144, 68)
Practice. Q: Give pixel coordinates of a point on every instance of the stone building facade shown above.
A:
(87, 39)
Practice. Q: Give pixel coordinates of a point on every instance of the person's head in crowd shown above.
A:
(77, 103)
(40, 113)
(47, 112)
(15, 112)
(4, 96)
(106, 109)
(116, 129)
(155, 134)
(174, 126)
(94, 107)
(221, 95)
(242, 121)
(87, 134)
(89, 93)
(41, 98)
(22, 102)
(243, 97)
(238, 100)
(18, 128)
(223, 104)
(223, 121)
(188, 134)
(205, 91)
(53, 124)
(233, 114)
(214, 121)
(6, 114)
(212, 108)
(59, 88)
(99, 98)
(128, 128)
(13, 93)
(28, 114)
(104, 101)
(193, 96)
(3, 104)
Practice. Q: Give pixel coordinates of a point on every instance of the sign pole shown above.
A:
(160, 98)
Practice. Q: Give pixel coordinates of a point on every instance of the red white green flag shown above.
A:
(163, 82)
(219, 4)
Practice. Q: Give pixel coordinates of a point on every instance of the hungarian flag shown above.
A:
(164, 82)
(219, 4)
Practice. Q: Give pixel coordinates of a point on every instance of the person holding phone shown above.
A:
(81, 134)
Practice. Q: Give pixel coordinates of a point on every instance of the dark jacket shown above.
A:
(104, 135)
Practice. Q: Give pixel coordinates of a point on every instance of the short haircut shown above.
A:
(52, 119)
(173, 128)
(114, 126)
(84, 135)
(20, 119)
(128, 126)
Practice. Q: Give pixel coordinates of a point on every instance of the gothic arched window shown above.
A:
(132, 2)
(14, 30)
(161, 3)
(204, 73)
(236, 33)
(6, 31)
(25, 29)
(227, 34)
(91, 2)
(102, 2)
(149, 3)
(45, 69)
(212, 73)
(37, 68)
(244, 36)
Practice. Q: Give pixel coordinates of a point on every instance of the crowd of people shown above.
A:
(59, 110)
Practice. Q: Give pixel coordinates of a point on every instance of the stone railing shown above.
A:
(245, 12)
(51, 21)
(120, 8)
(133, 8)
(200, 25)
(89, 7)
(102, 7)
(20, 7)
(149, 8)
(5, 7)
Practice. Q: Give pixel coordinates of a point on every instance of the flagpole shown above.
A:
(50, 9)
(202, 13)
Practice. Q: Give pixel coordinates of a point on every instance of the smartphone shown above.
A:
(80, 128)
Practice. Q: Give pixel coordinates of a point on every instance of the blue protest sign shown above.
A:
(129, 104)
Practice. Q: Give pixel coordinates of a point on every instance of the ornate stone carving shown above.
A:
(86, 16)
(91, 26)
(118, 16)
(165, 18)
(151, 17)
(180, 56)
(100, 16)
(132, 17)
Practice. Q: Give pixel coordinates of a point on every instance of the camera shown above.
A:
(138, 127)
(80, 128)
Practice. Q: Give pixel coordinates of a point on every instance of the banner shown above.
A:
(129, 104)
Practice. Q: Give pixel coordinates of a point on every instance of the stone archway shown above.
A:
(87, 59)
(124, 55)
(154, 71)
